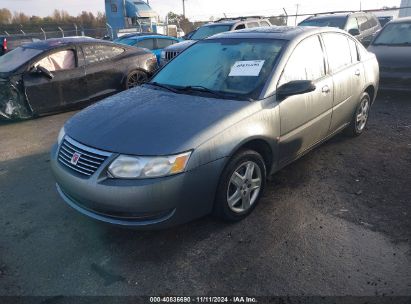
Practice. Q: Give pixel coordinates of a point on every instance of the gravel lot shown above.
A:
(336, 222)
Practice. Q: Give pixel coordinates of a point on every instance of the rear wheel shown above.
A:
(135, 79)
(241, 185)
(360, 118)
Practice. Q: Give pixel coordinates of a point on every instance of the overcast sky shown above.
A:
(201, 9)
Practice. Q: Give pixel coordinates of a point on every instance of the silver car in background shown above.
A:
(202, 136)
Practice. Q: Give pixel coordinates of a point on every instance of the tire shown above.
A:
(237, 193)
(360, 118)
(135, 78)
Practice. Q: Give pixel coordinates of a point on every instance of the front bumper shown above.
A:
(149, 203)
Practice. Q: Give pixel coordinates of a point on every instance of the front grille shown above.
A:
(80, 158)
(171, 55)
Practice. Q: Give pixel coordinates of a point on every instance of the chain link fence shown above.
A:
(99, 32)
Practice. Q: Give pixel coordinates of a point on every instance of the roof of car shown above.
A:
(400, 20)
(336, 14)
(57, 42)
(275, 32)
(148, 36)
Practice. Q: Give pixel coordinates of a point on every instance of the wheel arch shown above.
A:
(371, 91)
(259, 145)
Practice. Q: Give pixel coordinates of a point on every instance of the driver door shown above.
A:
(67, 87)
(305, 119)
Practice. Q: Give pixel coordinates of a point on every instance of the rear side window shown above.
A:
(99, 52)
(338, 51)
(252, 24)
(299, 67)
(240, 27)
(146, 43)
(163, 43)
(352, 24)
(264, 23)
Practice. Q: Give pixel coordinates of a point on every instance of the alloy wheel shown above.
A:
(362, 114)
(244, 187)
(136, 79)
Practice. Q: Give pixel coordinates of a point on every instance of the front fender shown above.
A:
(13, 101)
(263, 125)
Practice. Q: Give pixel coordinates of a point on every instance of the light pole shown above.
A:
(296, 13)
(184, 8)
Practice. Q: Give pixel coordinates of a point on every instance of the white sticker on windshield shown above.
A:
(247, 68)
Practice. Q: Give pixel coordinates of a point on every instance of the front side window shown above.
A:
(17, 58)
(146, 44)
(99, 52)
(163, 43)
(264, 23)
(207, 31)
(235, 67)
(395, 34)
(58, 61)
(305, 63)
(338, 51)
(240, 27)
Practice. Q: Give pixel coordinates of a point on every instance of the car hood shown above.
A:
(392, 56)
(151, 121)
(181, 46)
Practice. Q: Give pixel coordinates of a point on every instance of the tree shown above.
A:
(5, 16)
(180, 21)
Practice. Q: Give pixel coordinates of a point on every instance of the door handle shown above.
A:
(326, 89)
(357, 73)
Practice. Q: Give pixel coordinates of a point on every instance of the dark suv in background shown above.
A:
(362, 26)
(8, 43)
(210, 29)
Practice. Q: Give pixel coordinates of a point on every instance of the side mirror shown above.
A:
(354, 32)
(43, 71)
(295, 87)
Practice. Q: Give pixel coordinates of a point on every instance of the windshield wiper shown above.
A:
(163, 86)
(202, 89)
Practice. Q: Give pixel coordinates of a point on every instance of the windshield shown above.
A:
(395, 34)
(338, 22)
(236, 67)
(16, 58)
(207, 31)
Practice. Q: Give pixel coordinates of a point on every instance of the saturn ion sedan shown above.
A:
(202, 136)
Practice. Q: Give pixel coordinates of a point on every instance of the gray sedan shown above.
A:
(202, 136)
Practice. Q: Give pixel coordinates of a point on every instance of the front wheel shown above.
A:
(241, 185)
(360, 118)
(135, 79)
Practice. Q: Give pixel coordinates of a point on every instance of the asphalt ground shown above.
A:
(335, 222)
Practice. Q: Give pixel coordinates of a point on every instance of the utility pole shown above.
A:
(296, 13)
(184, 8)
(360, 5)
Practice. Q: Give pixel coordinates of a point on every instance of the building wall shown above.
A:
(405, 12)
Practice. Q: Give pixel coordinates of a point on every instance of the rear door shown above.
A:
(104, 69)
(305, 119)
(68, 86)
(348, 77)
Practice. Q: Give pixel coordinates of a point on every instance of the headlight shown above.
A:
(135, 167)
(61, 135)
(163, 54)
